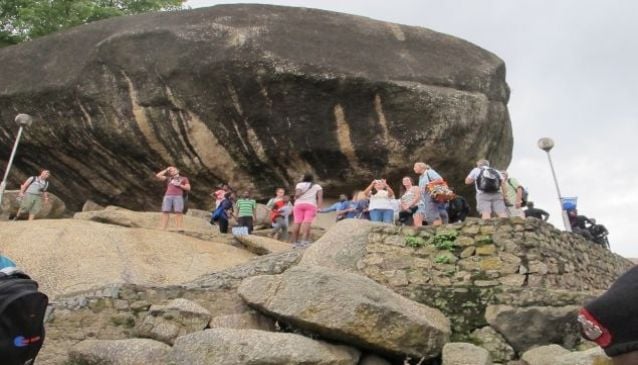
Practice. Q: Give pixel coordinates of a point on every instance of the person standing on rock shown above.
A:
(428, 207)
(246, 211)
(33, 193)
(381, 195)
(513, 192)
(489, 190)
(308, 196)
(173, 201)
(410, 198)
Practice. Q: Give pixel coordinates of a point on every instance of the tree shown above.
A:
(27, 19)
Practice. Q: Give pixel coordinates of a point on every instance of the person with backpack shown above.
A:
(173, 202)
(515, 195)
(308, 196)
(22, 312)
(489, 190)
(33, 193)
(223, 212)
(246, 209)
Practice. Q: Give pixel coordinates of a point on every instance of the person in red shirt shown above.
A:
(173, 201)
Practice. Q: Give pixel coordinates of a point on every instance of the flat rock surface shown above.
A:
(254, 347)
(67, 255)
(119, 352)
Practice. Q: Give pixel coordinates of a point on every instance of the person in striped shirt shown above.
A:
(246, 209)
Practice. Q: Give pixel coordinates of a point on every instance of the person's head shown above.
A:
(420, 167)
(483, 163)
(44, 174)
(245, 194)
(307, 178)
(280, 192)
(407, 182)
(530, 205)
(285, 198)
(343, 197)
(172, 171)
(505, 174)
(611, 319)
(379, 184)
(225, 187)
(228, 195)
(355, 195)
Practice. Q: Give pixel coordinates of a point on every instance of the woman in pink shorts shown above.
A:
(308, 196)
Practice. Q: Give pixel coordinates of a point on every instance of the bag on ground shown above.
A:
(489, 180)
(22, 311)
(240, 231)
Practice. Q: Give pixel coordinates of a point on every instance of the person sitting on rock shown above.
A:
(458, 209)
(173, 201)
(536, 212)
(579, 224)
(611, 320)
(34, 193)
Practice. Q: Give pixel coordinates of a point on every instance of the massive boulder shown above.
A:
(249, 94)
(349, 308)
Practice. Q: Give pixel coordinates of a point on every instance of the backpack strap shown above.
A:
(30, 181)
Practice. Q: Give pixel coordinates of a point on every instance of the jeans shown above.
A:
(382, 215)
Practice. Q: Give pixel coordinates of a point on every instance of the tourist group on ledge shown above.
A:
(430, 201)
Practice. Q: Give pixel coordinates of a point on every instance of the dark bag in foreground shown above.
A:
(22, 310)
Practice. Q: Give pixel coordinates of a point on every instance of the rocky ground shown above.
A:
(364, 293)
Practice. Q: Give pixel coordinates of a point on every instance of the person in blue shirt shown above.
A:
(342, 207)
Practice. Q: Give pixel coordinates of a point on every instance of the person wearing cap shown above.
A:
(611, 320)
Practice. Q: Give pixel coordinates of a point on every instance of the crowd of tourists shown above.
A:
(424, 200)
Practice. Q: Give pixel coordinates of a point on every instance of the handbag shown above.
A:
(239, 231)
(439, 191)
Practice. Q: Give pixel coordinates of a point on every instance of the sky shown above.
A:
(572, 67)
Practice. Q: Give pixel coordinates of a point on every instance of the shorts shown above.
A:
(173, 204)
(31, 203)
(490, 203)
(429, 209)
(304, 213)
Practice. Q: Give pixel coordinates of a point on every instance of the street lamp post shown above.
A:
(24, 120)
(546, 144)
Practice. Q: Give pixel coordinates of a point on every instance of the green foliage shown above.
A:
(414, 241)
(444, 240)
(485, 239)
(442, 259)
(27, 19)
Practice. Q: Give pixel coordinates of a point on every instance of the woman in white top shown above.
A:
(308, 196)
(381, 196)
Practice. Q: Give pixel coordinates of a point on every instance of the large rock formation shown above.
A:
(250, 94)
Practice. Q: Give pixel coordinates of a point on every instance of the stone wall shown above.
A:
(494, 253)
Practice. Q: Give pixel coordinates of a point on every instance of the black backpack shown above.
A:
(22, 311)
(489, 180)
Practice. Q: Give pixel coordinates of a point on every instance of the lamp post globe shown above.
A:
(24, 120)
(545, 144)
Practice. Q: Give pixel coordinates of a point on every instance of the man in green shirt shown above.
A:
(246, 209)
(513, 194)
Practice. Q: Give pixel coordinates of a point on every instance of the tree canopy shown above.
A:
(26, 19)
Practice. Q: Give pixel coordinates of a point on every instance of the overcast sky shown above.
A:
(573, 70)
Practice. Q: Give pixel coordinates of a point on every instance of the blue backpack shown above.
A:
(218, 212)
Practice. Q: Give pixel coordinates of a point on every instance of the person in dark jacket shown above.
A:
(536, 212)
